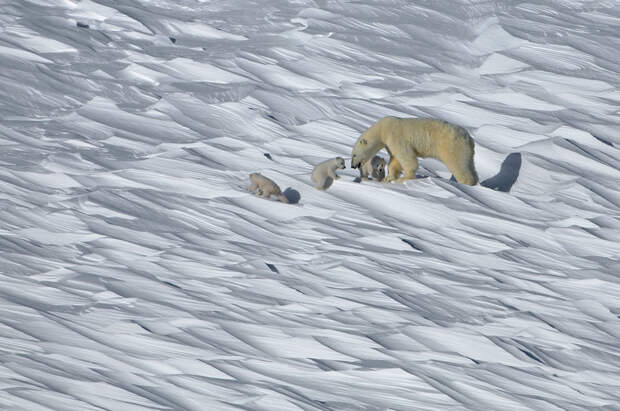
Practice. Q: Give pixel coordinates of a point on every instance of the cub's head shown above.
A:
(340, 163)
(378, 168)
(361, 152)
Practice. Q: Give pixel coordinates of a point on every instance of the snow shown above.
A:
(137, 272)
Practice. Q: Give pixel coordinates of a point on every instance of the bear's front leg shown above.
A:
(332, 174)
(394, 170)
(253, 187)
(404, 178)
(363, 175)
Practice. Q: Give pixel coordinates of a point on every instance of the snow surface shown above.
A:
(136, 272)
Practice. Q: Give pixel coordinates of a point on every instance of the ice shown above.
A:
(138, 272)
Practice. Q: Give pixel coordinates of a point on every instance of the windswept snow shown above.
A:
(137, 273)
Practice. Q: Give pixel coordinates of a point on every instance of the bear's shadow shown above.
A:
(292, 195)
(507, 176)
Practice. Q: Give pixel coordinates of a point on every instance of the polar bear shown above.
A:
(406, 139)
(266, 187)
(324, 173)
(375, 167)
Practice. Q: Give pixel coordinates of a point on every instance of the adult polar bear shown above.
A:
(406, 139)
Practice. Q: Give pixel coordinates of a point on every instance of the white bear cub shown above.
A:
(324, 173)
(266, 187)
(375, 167)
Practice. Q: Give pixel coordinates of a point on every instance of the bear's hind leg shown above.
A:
(466, 177)
(462, 167)
(325, 184)
(409, 166)
(394, 170)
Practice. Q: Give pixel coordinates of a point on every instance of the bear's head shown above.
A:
(363, 151)
(340, 163)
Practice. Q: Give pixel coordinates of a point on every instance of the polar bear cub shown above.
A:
(406, 139)
(266, 187)
(324, 173)
(375, 167)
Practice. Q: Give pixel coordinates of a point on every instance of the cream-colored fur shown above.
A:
(266, 187)
(406, 139)
(324, 173)
(375, 167)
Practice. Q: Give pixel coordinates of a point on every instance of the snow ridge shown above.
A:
(136, 272)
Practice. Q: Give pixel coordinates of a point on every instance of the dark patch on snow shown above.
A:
(171, 284)
(82, 25)
(272, 268)
(602, 140)
(173, 40)
(411, 244)
(532, 356)
(268, 156)
(143, 327)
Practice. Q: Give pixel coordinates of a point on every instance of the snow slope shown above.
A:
(136, 272)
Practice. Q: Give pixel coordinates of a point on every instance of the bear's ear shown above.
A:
(363, 141)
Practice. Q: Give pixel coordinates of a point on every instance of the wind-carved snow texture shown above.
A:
(137, 272)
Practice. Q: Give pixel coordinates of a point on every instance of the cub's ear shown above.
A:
(363, 141)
